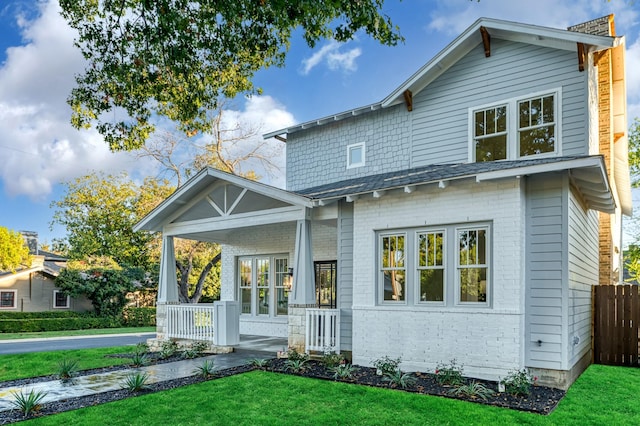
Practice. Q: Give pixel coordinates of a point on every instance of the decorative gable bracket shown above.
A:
(486, 41)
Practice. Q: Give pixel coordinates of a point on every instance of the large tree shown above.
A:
(13, 250)
(632, 253)
(99, 211)
(178, 58)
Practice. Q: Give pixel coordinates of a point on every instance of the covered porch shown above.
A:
(275, 296)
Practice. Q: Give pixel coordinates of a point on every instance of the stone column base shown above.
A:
(297, 326)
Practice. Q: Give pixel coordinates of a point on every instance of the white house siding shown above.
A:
(487, 341)
(546, 261)
(268, 240)
(583, 275)
(345, 273)
(319, 156)
(440, 113)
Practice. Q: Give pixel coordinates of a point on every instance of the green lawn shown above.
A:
(602, 396)
(90, 332)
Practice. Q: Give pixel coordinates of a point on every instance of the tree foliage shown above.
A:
(13, 250)
(178, 58)
(632, 253)
(99, 212)
(634, 152)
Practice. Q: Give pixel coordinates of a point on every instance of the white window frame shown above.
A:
(67, 304)
(513, 145)
(15, 299)
(486, 265)
(272, 287)
(350, 148)
(450, 263)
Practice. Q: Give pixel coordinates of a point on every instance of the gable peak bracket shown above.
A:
(581, 56)
(486, 41)
(408, 99)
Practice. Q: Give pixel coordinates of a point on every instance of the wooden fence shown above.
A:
(615, 328)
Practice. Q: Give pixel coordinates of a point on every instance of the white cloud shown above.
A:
(38, 146)
(335, 60)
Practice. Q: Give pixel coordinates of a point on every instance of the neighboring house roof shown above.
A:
(45, 262)
(587, 173)
(457, 49)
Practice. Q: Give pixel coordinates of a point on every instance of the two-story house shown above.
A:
(466, 216)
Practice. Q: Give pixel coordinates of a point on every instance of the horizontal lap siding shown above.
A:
(583, 274)
(545, 259)
(440, 115)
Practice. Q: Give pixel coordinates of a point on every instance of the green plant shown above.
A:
(472, 390)
(399, 379)
(139, 359)
(295, 365)
(200, 347)
(168, 349)
(330, 359)
(518, 382)
(28, 402)
(67, 368)
(386, 365)
(294, 355)
(136, 382)
(449, 374)
(206, 369)
(259, 362)
(189, 353)
(141, 348)
(343, 371)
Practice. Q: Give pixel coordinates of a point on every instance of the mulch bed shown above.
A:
(542, 400)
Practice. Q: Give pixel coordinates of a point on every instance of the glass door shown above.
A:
(326, 283)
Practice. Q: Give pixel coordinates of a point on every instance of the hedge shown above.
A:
(55, 324)
(45, 314)
(139, 317)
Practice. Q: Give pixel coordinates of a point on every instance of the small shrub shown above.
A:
(168, 349)
(206, 369)
(449, 374)
(67, 368)
(136, 382)
(293, 355)
(386, 365)
(259, 363)
(472, 390)
(29, 402)
(343, 371)
(331, 359)
(141, 348)
(400, 379)
(518, 382)
(200, 347)
(295, 365)
(190, 353)
(139, 359)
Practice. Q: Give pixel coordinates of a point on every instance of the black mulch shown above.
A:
(542, 400)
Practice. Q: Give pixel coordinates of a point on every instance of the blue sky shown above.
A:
(39, 149)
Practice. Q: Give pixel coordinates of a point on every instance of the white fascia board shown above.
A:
(544, 168)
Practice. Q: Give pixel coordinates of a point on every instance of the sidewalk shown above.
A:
(250, 347)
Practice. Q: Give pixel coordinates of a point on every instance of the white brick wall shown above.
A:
(488, 342)
(267, 240)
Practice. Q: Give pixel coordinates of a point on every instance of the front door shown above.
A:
(326, 283)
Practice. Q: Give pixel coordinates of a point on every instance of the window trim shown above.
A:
(487, 264)
(15, 299)
(272, 288)
(513, 144)
(350, 148)
(418, 268)
(68, 303)
(381, 269)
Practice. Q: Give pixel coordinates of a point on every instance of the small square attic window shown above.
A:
(355, 155)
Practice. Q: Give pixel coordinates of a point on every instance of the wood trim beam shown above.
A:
(581, 57)
(408, 99)
(486, 41)
(281, 138)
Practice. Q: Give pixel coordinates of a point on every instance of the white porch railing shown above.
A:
(190, 321)
(323, 330)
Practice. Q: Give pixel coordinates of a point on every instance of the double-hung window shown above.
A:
(517, 128)
(8, 299)
(444, 266)
(60, 300)
(261, 279)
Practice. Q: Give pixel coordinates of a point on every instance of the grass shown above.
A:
(91, 332)
(603, 395)
(18, 366)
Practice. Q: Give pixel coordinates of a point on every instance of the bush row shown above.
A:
(18, 322)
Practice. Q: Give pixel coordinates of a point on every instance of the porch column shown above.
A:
(303, 294)
(167, 286)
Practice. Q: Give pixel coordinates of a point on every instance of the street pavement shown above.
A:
(72, 342)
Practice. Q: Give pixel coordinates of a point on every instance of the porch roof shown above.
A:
(587, 173)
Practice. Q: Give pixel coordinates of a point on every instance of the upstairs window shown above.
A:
(518, 128)
(355, 155)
